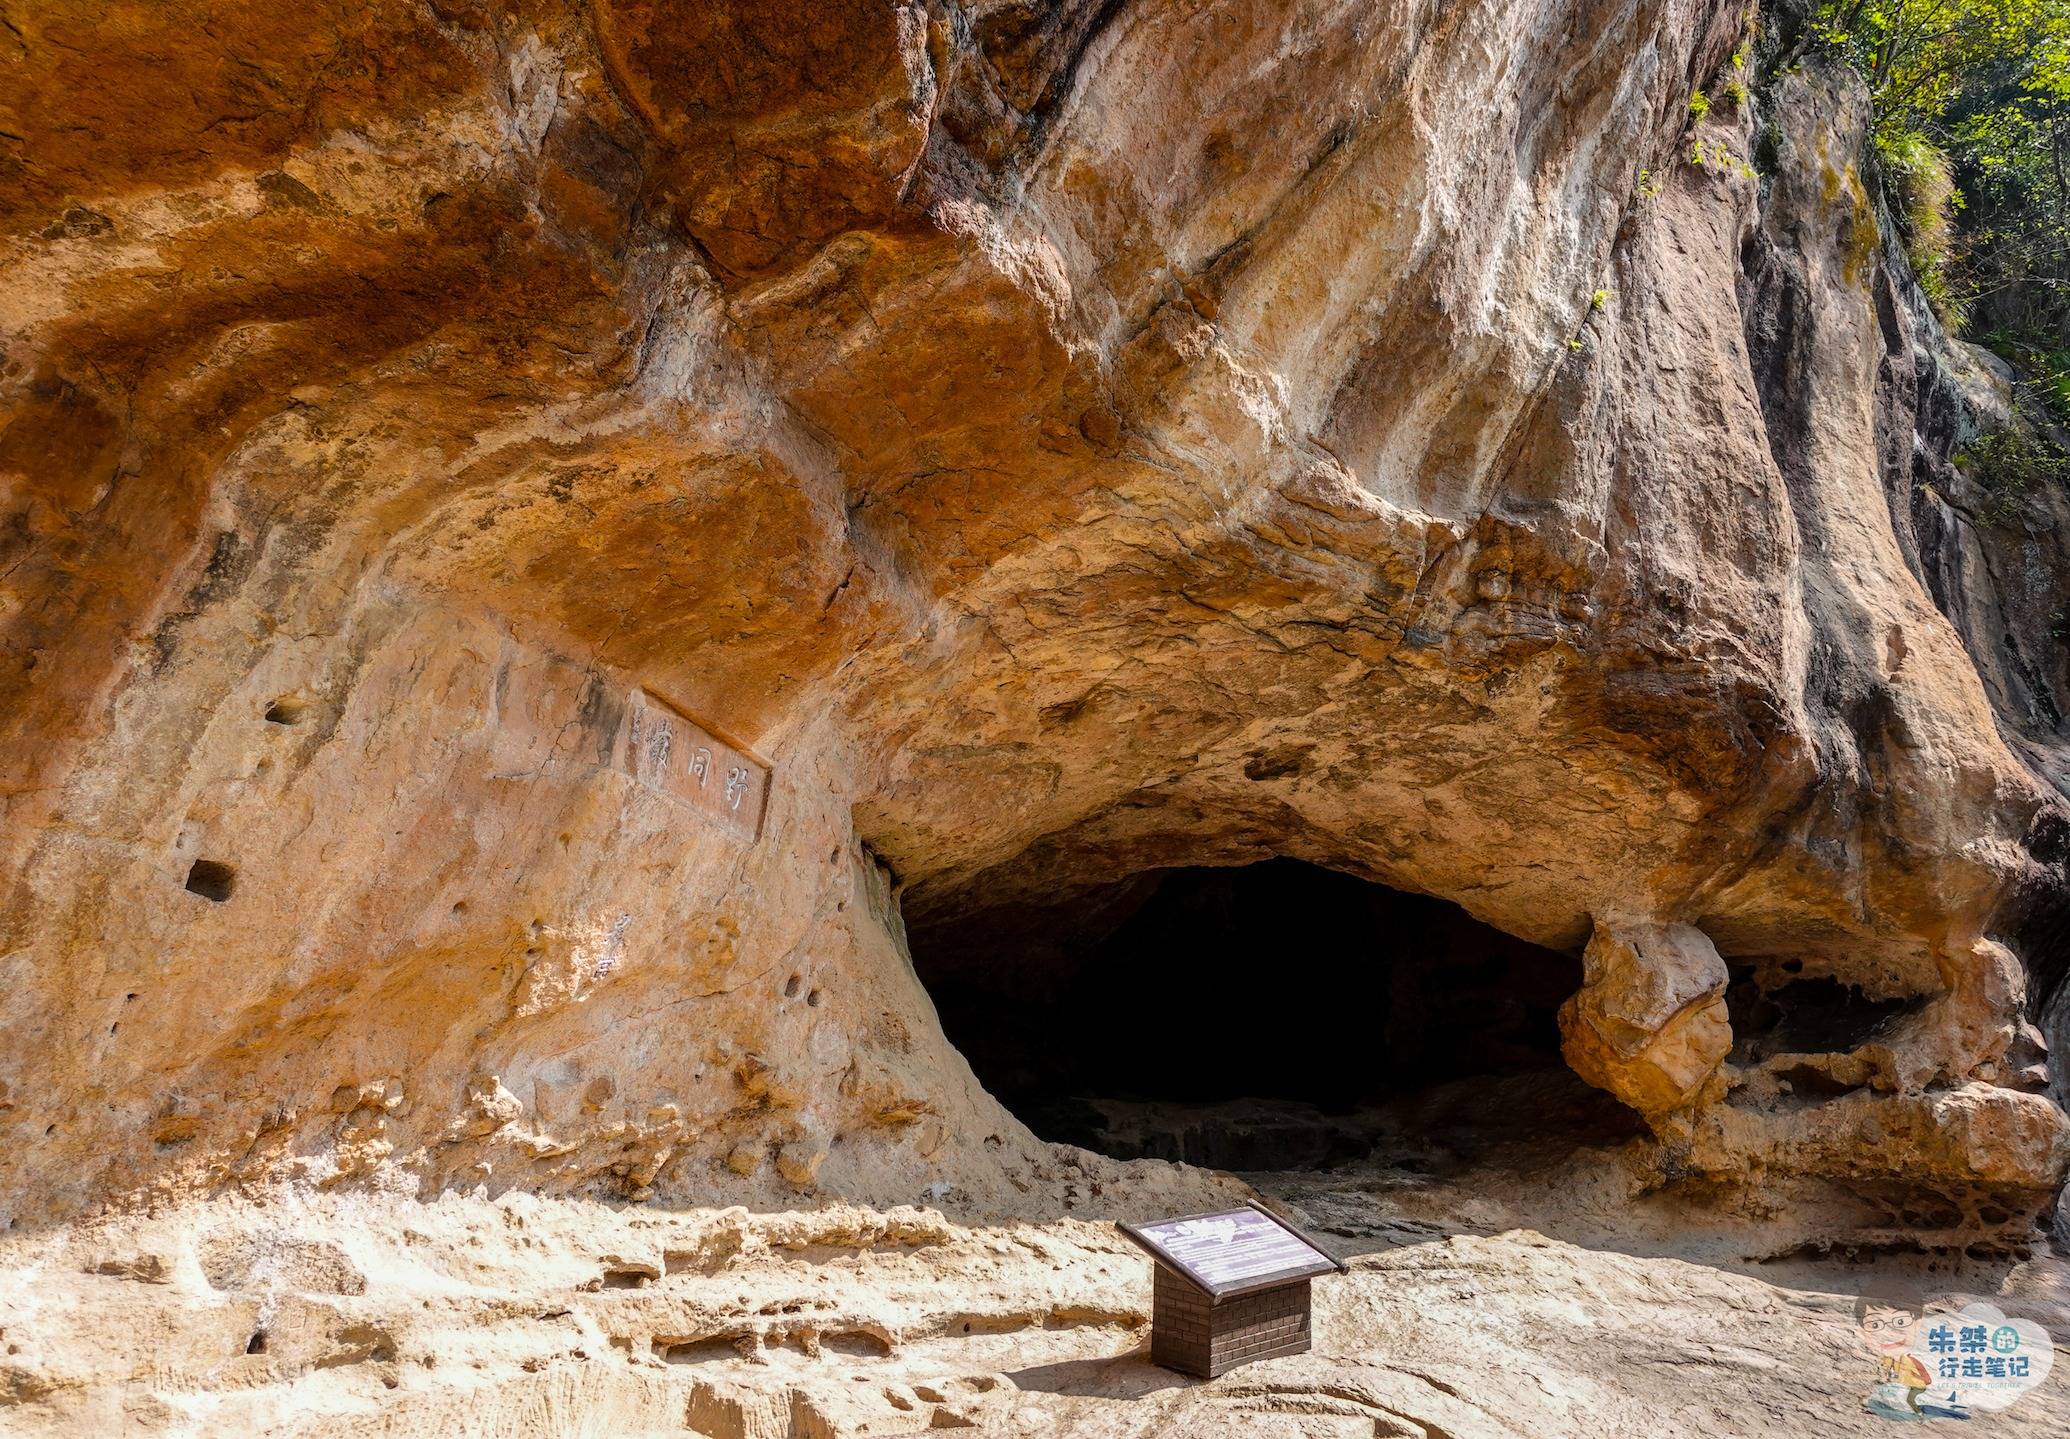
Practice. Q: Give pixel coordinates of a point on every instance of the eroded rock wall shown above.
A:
(1047, 443)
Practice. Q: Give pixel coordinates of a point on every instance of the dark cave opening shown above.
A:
(1806, 1016)
(1270, 1016)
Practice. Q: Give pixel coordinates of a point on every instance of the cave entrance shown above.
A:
(1276, 1015)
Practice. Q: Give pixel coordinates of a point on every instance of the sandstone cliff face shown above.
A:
(537, 538)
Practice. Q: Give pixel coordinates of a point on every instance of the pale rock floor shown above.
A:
(1519, 1294)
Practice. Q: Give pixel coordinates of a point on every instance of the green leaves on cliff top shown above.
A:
(1972, 122)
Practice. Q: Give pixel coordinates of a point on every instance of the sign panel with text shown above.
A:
(1233, 1252)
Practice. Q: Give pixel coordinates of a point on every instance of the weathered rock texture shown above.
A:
(1050, 442)
(533, 1318)
(1649, 1023)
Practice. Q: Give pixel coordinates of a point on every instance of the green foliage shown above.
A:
(2044, 369)
(1598, 301)
(1736, 85)
(1972, 125)
(2008, 466)
(1921, 58)
(1721, 158)
(1699, 105)
(1922, 180)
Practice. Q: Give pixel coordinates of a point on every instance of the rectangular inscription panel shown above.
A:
(669, 752)
(1233, 1252)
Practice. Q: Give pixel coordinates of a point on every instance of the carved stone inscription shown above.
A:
(667, 752)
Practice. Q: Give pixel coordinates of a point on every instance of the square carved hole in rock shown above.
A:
(211, 879)
(1270, 1016)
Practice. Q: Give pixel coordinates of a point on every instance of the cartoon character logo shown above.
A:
(1885, 1325)
(1942, 1362)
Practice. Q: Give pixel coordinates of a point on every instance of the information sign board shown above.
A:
(1232, 1252)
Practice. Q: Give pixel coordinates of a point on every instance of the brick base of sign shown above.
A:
(1191, 1333)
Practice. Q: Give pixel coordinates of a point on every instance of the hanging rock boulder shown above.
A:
(1649, 1022)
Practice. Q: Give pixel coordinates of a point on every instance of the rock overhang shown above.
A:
(1046, 490)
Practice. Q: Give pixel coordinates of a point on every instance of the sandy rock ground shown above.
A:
(1495, 1289)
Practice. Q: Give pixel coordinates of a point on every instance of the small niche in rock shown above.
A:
(857, 1344)
(629, 1276)
(287, 710)
(211, 879)
(708, 1350)
(257, 1343)
(1270, 1016)
(1807, 1016)
(1812, 1082)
